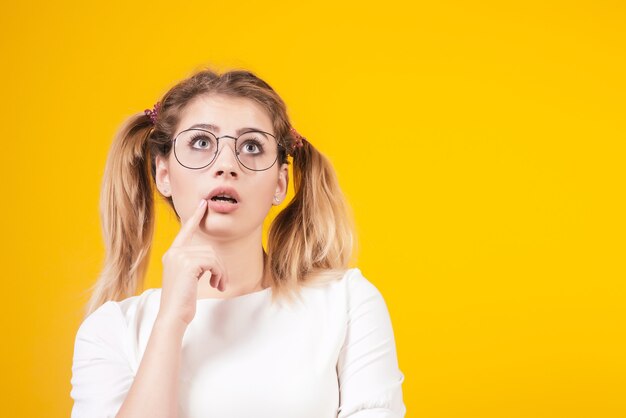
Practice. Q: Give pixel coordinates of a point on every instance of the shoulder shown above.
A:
(100, 336)
(362, 293)
(105, 358)
(109, 321)
(140, 306)
(357, 287)
(126, 308)
(104, 318)
(351, 279)
(350, 288)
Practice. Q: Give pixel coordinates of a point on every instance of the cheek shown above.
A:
(263, 192)
(183, 193)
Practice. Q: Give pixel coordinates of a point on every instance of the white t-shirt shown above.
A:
(330, 354)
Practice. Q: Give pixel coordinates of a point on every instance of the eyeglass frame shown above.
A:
(217, 148)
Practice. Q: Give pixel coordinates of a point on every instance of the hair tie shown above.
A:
(298, 139)
(154, 113)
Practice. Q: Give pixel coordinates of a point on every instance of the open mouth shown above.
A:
(224, 198)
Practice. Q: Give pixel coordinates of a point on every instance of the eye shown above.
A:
(201, 141)
(252, 146)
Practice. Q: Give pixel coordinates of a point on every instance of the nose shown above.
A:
(226, 163)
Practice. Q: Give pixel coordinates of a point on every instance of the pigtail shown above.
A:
(313, 235)
(127, 213)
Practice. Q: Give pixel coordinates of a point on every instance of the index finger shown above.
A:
(189, 227)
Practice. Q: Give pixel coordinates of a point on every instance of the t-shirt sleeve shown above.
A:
(370, 382)
(101, 374)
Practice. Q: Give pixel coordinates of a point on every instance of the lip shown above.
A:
(222, 206)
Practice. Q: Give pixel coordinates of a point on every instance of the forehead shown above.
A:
(227, 113)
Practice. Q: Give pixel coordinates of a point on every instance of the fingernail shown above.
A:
(202, 202)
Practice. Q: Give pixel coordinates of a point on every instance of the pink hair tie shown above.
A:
(154, 113)
(298, 139)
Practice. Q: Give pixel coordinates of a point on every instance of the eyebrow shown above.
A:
(216, 129)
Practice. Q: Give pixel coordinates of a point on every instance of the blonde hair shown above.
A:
(310, 240)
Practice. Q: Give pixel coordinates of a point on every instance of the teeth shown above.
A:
(224, 197)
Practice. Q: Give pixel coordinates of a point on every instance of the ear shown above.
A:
(162, 175)
(282, 183)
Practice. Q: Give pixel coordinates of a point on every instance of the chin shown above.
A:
(224, 229)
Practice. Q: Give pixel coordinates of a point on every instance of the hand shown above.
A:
(183, 265)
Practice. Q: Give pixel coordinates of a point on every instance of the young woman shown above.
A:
(235, 330)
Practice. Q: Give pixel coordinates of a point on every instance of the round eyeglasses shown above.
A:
(197, 148)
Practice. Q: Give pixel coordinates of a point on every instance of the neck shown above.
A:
(243, 261)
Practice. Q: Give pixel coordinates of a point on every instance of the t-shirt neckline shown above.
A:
(235, 298)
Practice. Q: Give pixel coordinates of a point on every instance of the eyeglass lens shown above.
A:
(196, 148)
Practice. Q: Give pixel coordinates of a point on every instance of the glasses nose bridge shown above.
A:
(220, 146)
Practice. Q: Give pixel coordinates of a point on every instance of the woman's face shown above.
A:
(254, 190)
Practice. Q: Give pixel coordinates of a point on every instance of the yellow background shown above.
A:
(481, 145)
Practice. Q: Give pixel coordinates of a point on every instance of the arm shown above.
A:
(370, 381)
(154, 393)
(101, 372)
(102, 379)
